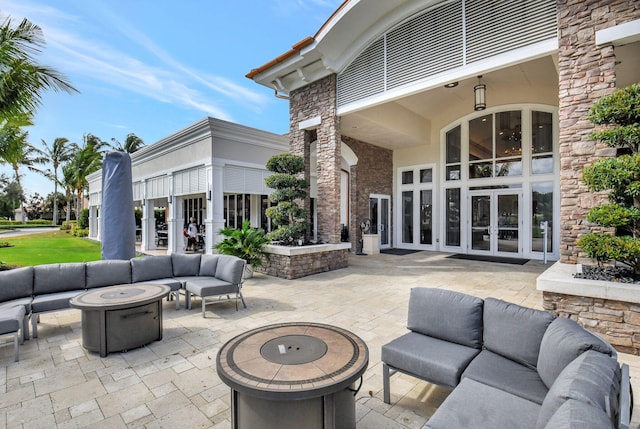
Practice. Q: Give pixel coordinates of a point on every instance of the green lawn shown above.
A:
(48, 248)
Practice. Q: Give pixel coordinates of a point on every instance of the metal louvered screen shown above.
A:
(425, 45)
(498, 26)
(364, 76)
(192, 181)
(450, 35)
(158, 187)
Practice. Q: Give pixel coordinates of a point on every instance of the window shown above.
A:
(452, 150)
(541, 143)
(541, 211)
(416, 205)
(504, 158)
(237, 209)
(453, 217)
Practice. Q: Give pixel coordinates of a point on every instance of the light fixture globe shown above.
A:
(480, 95)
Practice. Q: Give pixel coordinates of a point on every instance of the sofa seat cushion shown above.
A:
(150, 268)
(473, 405)
(54, 278)
(513, 331)
(53, 301)
(16, 283)
(431, 359)
(592, 378)
(185, 265)
(10, 319)
(210, 286)
(504, 374)
(579, 415)
(108, 273)
(25, 302)
(174, 284)
(447, 315)
(564, 341)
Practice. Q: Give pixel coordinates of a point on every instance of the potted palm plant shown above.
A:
(246, 243)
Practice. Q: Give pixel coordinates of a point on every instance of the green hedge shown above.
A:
(17, 223)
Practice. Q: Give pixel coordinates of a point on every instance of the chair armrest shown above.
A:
(626, 399)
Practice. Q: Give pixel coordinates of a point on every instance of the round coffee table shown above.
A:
(287, 373)
(122, 317)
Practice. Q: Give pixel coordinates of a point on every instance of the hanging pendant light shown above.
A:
(480, 95)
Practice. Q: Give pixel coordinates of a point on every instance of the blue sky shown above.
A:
(152, 67)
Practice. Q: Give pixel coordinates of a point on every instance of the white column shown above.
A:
(93, 222)
(148, 226)
(217, 205)
(175, 226)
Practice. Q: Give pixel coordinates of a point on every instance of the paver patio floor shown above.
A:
(173, 382)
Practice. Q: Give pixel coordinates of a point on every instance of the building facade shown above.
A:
(455, 125)
(212, 171)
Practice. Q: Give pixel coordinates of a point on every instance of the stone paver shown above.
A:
(173, 383)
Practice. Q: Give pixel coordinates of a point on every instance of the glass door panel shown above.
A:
(384, 222)
(380, 215)
(481, 222)
(508, 223)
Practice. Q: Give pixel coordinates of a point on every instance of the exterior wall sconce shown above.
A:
(480, 95)
(209, 195)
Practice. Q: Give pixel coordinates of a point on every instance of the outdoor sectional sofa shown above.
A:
(509, 366)
(45, 288)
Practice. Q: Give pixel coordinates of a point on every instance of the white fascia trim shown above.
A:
(520, 55)
(619, 35)
(310, 124)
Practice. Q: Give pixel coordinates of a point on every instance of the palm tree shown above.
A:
(67, 182)
(22, 79)
(59, 152)
(17, 152)
(86, 160)
(131, 144)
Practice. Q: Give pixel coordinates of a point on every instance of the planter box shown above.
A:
(295, 262)
(610, 309)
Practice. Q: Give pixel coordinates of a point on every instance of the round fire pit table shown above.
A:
(122, 317)
(285, 374)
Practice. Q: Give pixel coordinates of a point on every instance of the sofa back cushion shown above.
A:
(16, 283)
(592, 378)
(185, 265)
(577, 414)
(513, 331)
(54, 278)
(108, 273)
(208, 265)
(151, 268)
(447, 315)
(564, 341)
(230, 269)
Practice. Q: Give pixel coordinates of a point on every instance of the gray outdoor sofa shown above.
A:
(509, 366)
(45, 288)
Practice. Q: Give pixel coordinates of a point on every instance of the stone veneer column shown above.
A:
(373, 174)
(318, 99)
(586, 73)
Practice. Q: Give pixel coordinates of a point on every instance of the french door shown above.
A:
(380, 215)
(495, 218)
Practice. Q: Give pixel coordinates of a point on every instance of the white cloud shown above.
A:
(77, 55)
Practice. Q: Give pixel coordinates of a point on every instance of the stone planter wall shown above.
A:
(295, 262)
(616, 321)
(610, 309)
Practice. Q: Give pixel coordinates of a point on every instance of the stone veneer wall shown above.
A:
(313, 100)
(586, 73)
(296, 266)
(616, 321)
(373, 174)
